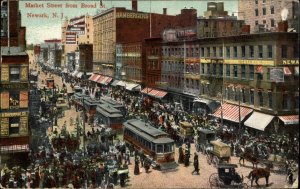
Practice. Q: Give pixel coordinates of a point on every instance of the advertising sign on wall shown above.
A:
(276, 75)
(4, 126)
(76, 27)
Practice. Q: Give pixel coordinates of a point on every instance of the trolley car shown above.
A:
(114, 104)
(152, 141)
(110, 116)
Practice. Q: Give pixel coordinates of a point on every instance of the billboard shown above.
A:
(75, 27)
(171, 35)
(276, 75)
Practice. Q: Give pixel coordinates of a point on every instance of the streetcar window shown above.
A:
(159, 148)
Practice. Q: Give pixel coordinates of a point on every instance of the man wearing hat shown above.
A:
(196, 164)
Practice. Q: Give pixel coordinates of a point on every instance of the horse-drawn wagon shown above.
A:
(203, 138)
(186, 130)
(226, 177)
(220, 153)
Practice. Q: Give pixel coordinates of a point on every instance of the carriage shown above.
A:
(227, 177)
(220, 152)
(204, 136)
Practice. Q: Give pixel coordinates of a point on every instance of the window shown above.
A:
(264, 10)
(251, 51)
(202, 51)
(243, 51)
(296, 102)
(214, 51)
(243, 71)
(221, 69)
(14, 124)
(256, 22)
(221, 51)
(14, 98)
(260, 97)
(260, 77)
(243, 96)
(296, 51)
(283, 51)
(228, 70)
(272, 23)
(272, 9)
(256, 2)
(208, 51)
(260, 51)
(251, 100)
(14, 74)
(270, 97)
(214, 69)
(256, 12)
(251, 71)
(264, 1)
(286, 102)
(202, 68)
(270, 51)
(235, 71)
(235, 53)
(208, 68)
(228, 52)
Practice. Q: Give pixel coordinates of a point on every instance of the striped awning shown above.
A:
(231, 112)
(94, 77)
(154, 92)
(290, 119)
(105, 80)
(99, 80)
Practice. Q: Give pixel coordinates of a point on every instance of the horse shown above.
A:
(249, 157)
(258, 173)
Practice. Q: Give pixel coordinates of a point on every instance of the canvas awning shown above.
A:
(231, 112)
(99, 80)
(290, 119)
(133, 87)
(259, 121)
(154, 92)
(94, 77)
(121, 83)
(114, 83)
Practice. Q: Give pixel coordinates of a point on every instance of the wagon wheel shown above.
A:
(215, 161)
(214, 180)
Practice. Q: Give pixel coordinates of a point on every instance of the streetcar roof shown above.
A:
(143, 128)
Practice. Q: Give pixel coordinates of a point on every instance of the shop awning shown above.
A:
(259, 121)
(79, 74)
(133, 87)
(65, 70)
(231, 112)
(121, 83)
(94, 77)
(154, 92)
(99, 80)
(290, 119)
(114, 83)
(212, 105)
(14, 148)
(105, 80)
(287, 71)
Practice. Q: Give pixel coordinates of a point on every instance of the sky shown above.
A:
(40, 28)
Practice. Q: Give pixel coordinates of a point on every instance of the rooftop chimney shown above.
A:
(282, 26)
(134, 5)
(165, 11)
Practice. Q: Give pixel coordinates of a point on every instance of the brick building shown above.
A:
(14, 132)
(264, 15)
(85, 58)
(115, 27)
(241, 70)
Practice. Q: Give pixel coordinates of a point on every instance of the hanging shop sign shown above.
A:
(23, 125)
(4, 127)
(276, 75)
